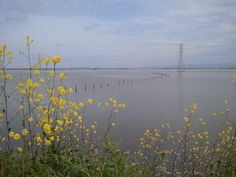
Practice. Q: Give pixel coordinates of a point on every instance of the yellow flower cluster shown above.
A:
(16, 136)
(47, 129)
(62, 76)
(9, 77)
(47, 113)
(61, 90)
(24, 132)
(56, 59)
(90, 101)
(37, 72)
(46, 61)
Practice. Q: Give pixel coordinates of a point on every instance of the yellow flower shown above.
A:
(47, 142)
(20, 85)
(37, 72)
(217, 150)
(222, 113)
(52, 138)
(59, 122)
(23, 92)
(62, 75)
(19, 149)
(4, 46)
(90, 101)
(29, 83)
(70, 90)
(41, 80)
(16, 136)
(36, 85)
(194, 107)
(27, 38)
(56, 59)
(10, 58)
(61, 103)
(30, 119)
(61, 90)
(121, 106)
(51, 74)
(46, 61)
(80, 118)
(54, 100)
(11, 134)
(93, 126)
(213, 114)
(114, 101)
(24, 132)
(39, 139)
(186, 119)
(40, 96)
(9, 77)
(9, 52)
(30, 100)
(47, 129)
(226, 102)
(40, 108)
(21, 107)
(37, 100)
(113, 124)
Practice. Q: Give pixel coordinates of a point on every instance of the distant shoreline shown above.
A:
(166, 68)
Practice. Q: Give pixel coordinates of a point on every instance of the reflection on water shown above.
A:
(180, 93)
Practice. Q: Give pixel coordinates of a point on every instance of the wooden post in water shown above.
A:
(76, 89)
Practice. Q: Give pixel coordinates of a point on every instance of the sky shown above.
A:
(122, 33)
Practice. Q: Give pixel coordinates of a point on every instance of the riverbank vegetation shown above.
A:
(48, 136)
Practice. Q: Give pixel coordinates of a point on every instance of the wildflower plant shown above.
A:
(189, 152)
(49, 118)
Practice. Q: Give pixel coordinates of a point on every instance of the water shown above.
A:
(151, 98)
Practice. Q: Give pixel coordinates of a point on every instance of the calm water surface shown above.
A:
(151, 98)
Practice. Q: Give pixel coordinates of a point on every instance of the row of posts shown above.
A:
(120, 82)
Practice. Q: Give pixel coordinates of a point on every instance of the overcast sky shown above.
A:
(122, 33)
